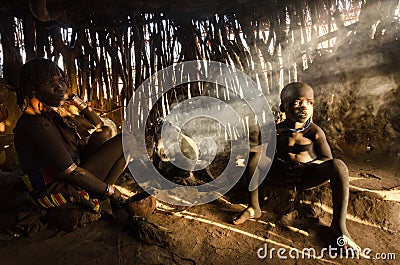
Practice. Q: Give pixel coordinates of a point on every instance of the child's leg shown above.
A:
(253, 210)
(336, 171)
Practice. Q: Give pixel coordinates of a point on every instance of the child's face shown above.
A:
(299, 105)
(52, 91)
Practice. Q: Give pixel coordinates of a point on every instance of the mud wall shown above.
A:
(358, 98)
(8, 156)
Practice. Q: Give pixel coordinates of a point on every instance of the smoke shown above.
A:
(361, 110)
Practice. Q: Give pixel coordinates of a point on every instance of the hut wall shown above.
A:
(357, 98)
(345, 49)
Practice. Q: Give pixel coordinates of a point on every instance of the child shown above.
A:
(303, 159)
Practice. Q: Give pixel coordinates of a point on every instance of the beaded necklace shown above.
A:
(305, 127)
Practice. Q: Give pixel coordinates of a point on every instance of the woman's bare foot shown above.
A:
(247, 214)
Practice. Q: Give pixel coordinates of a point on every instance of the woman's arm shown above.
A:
(87, 111)
(48, 143)
(50, 146)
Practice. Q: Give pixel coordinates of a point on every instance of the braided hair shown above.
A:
(32, 74)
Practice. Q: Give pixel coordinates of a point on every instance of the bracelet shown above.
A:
(109, 190)
(69, 170)
(78, 102)
(82, 106)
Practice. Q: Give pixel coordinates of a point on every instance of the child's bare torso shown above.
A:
(298, 147)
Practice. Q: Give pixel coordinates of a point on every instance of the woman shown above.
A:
(49, 143)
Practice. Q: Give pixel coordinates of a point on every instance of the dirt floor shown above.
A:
(204, 234)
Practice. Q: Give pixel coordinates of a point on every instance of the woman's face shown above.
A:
(52, 91)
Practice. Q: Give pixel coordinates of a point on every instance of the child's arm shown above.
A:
(321, 147)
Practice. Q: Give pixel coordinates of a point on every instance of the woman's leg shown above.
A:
(99, 137)
(96, 139)
(108, 161)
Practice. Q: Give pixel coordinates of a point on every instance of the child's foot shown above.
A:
(247, 214)
(347, 243)
(344, 241)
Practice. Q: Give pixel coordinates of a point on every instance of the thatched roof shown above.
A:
(109, 43)
(76, 12)
(109, 47)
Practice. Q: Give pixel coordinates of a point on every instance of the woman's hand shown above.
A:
(63, 112)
